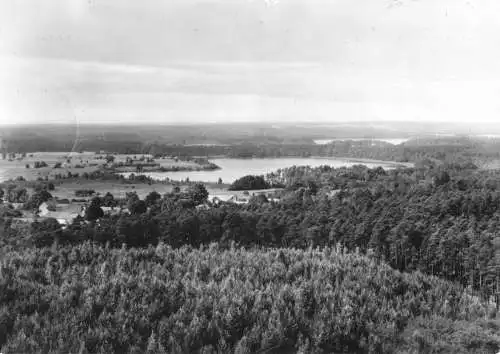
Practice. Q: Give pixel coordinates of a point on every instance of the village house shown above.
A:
(228, 198)
(112, 211)
(217, 199)
(65, 214)
(17, 206)
(222, 198)
(332, 193)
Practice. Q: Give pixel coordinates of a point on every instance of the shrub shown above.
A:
(84, 192)
(40, 164)
(249, 183)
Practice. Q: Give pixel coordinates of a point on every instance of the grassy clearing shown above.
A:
(87, 162)
(17, 167)
(66, 190)
(14, 169)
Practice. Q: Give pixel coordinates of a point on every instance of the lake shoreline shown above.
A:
(372, 161)
(317, 157)
(234, 168)
(167, 169)
(253, 165)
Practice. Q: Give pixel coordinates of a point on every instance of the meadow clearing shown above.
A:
(74, 162)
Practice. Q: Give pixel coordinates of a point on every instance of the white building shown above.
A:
(65, 214)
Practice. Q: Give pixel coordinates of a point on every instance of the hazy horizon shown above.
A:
(204, 61)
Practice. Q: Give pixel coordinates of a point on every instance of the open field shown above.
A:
(17, 167)
(73, 162)
(13, 169)
(489, 165)
(66, 190)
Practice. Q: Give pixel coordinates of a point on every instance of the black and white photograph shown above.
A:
(250, 176)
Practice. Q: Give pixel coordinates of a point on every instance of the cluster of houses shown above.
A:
(238, 199)
(227, 198)
(65, 214)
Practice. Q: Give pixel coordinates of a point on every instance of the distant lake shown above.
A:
(390, 141)
(232, 169)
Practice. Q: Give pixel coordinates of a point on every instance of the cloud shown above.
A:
(53, 90)
(361, 32)
(168, 60)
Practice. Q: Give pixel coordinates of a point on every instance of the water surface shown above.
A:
(232, 169)
(390, 141)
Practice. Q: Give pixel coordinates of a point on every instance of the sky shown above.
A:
(178, 61)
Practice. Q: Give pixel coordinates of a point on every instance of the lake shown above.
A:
(232, 169)
(390, 141)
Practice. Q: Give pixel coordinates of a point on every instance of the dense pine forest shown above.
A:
(95, 299)
(346, 260)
